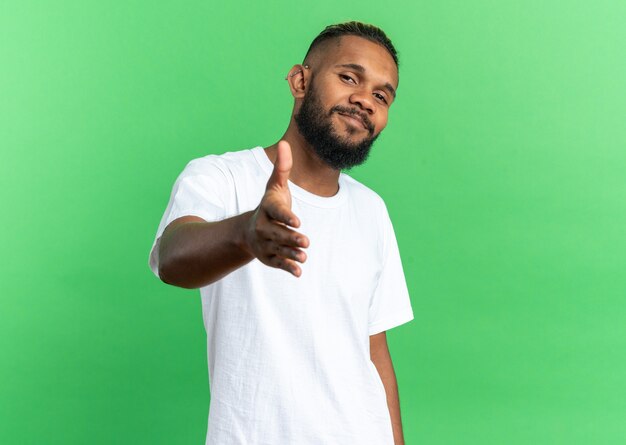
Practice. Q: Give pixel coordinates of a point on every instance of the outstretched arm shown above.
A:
(194, 252)
(379, 353)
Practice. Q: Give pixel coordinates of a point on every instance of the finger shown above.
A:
(285, 264)
(286, 252)
(282, 213)
(282, 166)
(285, 236)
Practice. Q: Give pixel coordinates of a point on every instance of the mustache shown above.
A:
(353, 112)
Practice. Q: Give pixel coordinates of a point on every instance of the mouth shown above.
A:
(354, 119)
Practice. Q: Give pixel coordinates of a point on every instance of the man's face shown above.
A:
(357, 78)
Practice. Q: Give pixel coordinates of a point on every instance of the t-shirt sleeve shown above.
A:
(202, 189)
(390, 305)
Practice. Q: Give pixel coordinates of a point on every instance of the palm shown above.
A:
(270, 237)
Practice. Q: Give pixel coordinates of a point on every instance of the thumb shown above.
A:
(282, 166)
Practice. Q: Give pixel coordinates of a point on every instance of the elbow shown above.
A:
(171, 273)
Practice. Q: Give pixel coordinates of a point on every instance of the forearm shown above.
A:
(195, 254)
(387, 375)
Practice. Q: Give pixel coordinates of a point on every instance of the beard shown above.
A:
(316, 126)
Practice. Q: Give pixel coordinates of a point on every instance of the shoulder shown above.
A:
(362, 195)
(224, 164)
(222, 161)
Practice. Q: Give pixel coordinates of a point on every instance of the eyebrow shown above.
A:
(361, 69)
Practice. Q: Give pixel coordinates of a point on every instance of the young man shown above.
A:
(297, 263)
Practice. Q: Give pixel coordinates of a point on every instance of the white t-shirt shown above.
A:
(288, 357)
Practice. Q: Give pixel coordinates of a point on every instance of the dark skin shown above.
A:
(194, 253)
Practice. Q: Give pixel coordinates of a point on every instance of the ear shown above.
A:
(298, 80)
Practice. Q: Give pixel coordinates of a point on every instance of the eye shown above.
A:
(378, 95)
(381, 97)
(343, 76)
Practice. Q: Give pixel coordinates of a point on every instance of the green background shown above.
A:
(503, 167)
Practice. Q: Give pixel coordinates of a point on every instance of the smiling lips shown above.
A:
(356, 118)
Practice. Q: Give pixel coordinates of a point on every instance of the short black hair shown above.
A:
(359, 29)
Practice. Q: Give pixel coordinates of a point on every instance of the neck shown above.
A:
(308, 171)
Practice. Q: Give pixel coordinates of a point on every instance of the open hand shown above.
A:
(268, 235)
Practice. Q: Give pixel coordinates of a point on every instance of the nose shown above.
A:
(365, 101)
